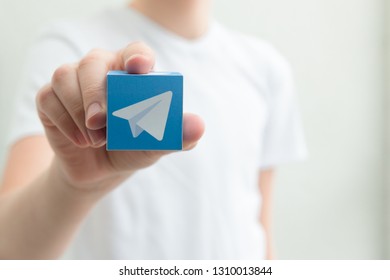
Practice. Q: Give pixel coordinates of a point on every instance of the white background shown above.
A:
(333, 205)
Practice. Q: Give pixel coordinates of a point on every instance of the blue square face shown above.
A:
(144, 112)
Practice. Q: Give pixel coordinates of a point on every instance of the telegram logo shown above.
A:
(144, 112)
(149, 115)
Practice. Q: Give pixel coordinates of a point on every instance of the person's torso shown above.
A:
(202, 204)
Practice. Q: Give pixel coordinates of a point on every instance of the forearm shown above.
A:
(265, 186)
(265, 220)
(38, 221)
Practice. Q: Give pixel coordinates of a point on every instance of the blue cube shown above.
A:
(144, 112)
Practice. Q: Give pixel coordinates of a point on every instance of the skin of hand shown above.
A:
(72, 109)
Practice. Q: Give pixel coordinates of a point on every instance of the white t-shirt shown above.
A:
(202, 204)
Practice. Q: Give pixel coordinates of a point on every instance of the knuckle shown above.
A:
(44, 119)
(96, 51)
(84, 62)
(43, 97)
(92, 56)
(62, 73)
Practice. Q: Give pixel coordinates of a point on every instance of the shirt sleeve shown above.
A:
(283, 140)
(52, 49)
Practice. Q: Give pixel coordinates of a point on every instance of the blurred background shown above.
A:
(334, 205)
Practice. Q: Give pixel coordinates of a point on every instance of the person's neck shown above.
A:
(186, 18)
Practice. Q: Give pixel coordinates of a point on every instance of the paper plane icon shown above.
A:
(149, 115)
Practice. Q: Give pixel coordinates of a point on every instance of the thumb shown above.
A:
(137, 58)
(193, 129)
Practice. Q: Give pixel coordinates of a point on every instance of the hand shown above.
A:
(72, 109)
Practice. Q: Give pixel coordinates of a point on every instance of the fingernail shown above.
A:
(93, 109)
(97, 136)
(128, 60)
(135, 56)
(138, 64)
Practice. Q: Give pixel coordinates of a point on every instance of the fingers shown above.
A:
(53, 113)
(92, 73)
(66, 88)
(136, 58)
(76, 100)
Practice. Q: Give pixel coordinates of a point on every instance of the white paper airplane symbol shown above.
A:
(149, 115)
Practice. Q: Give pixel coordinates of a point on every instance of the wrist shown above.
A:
(92, 189)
